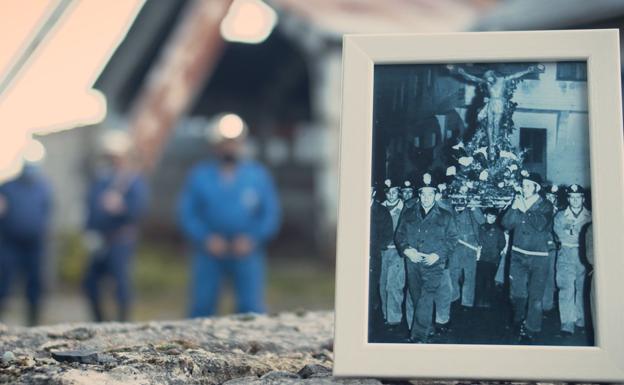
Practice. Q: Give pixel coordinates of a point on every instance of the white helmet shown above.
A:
(116, 142)
(224, 127)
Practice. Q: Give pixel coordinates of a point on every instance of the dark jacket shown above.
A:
(492, 239)
(134, 191)
(531, 229)
(468, 222)
(434, 233)
(381, 231)
(29, 206)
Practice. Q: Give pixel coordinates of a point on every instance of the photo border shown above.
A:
(354, 356)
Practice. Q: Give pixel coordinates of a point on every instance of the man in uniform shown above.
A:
(569, 224)
(530, 219)
(229, 210)
(407, 191)
(392, 279)
(116, 202)
(426, 236)
(381, 235)
(464, 257)
(25, 210)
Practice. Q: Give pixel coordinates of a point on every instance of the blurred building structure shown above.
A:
(287, 88)
(517, 15)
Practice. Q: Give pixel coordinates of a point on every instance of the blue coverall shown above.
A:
(118, 233)
(23, 229)
(246, 204)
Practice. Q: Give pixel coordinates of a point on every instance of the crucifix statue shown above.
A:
(495, 85)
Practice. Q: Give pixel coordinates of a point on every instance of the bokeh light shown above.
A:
(231, 126)
(34, 152)
(248, 21)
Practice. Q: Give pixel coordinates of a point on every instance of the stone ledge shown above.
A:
(242, 349)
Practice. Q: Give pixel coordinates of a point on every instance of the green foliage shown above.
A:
(307, 284)
(160, 267)
(72, 258)
(156, 267)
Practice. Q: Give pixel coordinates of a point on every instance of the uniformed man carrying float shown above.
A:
(530, 219)
(425, 236)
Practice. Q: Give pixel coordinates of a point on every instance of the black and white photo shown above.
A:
(480, 210)
(484, 169)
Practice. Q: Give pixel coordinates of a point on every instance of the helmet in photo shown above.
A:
(533, 177)
(426, 182)
(491, 211)
(551, 189)
(389, 185)
(575, 189)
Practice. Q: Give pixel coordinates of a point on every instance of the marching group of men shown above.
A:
(427, 253)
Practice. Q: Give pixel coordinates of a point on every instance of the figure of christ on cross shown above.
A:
(495, 84)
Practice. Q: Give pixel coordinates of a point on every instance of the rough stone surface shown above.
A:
(8, 357)
(292, 348)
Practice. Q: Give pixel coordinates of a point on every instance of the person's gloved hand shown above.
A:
(413, 255)
(430, 259)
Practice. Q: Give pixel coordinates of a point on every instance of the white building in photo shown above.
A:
(551, 121)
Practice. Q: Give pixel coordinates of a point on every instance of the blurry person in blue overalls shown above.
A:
(25, 207)
(116, 201)
(228, 210)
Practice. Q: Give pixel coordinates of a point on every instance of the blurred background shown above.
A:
(165, 70)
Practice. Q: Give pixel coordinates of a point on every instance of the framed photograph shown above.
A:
(481, 207)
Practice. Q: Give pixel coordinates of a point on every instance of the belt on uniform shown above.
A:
(468, 245)
(391, 246)
(529, 252)
(572, 245)
(476, 249)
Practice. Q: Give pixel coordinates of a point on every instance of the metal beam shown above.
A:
(188, 59)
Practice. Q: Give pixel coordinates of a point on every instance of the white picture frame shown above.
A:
(354, 356)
